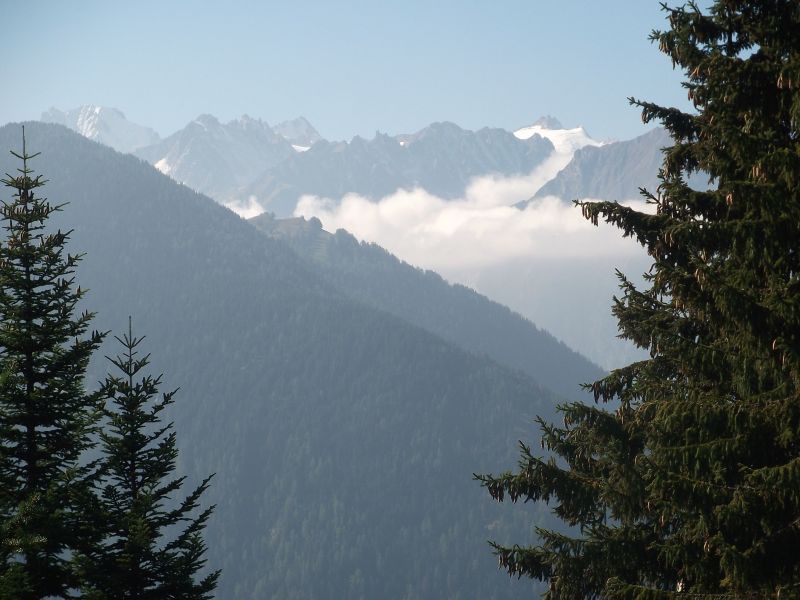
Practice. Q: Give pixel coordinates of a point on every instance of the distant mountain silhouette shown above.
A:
(344, 438)
(614, 171)
(441, 158)
(102, 124)
(217, 158)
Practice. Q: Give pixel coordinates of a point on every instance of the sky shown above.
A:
(350, 67)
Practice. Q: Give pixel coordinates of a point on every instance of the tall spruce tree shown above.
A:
(689, 481)
(46, 417)
(151, 545)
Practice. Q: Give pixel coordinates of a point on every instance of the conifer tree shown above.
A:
(685, 477)
(15, 539)
(151, 547)
(46, 417)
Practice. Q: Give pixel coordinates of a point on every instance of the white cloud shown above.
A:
(246, 209)
(545, 260)
(480, 230)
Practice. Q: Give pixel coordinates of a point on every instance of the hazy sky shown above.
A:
(349, 67)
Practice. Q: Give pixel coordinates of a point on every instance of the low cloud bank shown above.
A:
(246, 209)
(478, 231)
(544, 260)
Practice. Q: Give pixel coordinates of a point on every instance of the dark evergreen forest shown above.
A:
(343, 438)
(369, 274)
(682, 478)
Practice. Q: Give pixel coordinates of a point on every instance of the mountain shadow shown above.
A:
(368, 273)
(344, 439)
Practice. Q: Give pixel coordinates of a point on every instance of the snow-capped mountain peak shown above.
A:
(105, 125)
(207, 121)
(215, 158)
(298, 132)
(565, 141)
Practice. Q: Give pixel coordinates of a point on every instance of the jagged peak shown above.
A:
(207, 120)
(548, 122)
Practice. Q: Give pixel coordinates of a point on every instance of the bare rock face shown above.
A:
(218, 158)
(298, 132)
(441, 158)
(105, 125)
(614, 171)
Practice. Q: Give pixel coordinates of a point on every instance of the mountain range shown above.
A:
(102, 124)
(298, 132)
(344, 432)
(613, 171)
(246, 159)
(442, 159)
(252, 168)
(216, 158)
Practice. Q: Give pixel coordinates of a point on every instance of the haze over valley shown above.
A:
(351, 300)
(293, 348)
(348, 266)
(489, 209)
(281, 282)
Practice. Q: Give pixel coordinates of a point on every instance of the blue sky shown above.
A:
(350, 67)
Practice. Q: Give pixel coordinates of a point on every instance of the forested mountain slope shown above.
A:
(370, 274)
(344, 439)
